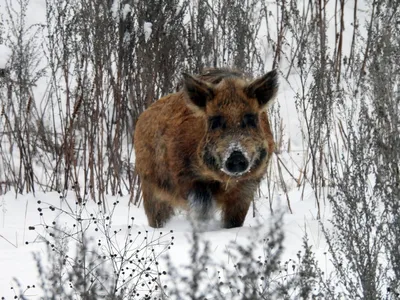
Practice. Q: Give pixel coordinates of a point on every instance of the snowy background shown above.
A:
(75, 75)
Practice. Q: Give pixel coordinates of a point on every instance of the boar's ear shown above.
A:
(199, 91)
(264, 89)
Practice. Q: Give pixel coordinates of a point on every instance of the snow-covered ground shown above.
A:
(23, 229)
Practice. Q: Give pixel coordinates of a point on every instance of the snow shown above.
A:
(115, 8)
(147, 30)
(116, 12)
(17, 242)
(5, 54)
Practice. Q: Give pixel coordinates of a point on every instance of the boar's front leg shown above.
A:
(234, 214)
(236, 203)
(158, 211)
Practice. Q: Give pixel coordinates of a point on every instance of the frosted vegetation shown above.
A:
(76, 74)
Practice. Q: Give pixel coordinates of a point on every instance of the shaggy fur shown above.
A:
(206, 146)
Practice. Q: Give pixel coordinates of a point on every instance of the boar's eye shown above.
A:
(249, 120)
(216, 122)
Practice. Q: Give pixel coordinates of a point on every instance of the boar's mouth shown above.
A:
(243, 167)
(235, 162)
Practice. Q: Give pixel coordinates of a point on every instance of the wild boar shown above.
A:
(206, 146)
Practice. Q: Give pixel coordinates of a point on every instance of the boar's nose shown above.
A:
(236, 162)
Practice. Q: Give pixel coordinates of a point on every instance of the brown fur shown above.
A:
(180, 152)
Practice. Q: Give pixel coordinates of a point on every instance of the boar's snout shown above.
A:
(236, 163)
